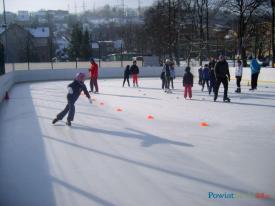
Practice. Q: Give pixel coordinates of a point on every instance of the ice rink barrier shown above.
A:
(11, 78)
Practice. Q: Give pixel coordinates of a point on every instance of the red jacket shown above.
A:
(94, 71)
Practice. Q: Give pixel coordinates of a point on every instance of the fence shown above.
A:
(66, 65)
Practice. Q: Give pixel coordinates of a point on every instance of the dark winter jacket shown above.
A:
(205, 73)
(187, 79)
(222, 70)
(166, 68)
(212, 76)
(134, 69)
(162, 75)
(200, 73)
(127, 71)
(77, 88)
(212, 64)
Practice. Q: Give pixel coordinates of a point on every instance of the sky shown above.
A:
(35, 5)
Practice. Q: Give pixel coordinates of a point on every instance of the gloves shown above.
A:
(91, 101)
(70, 90)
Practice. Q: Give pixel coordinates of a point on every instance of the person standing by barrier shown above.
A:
(222, 76)
(166, 68)
(2, 59)
(205, 77)
(200, 75)
(74, 91)
(211, 65)
(135, 71)
(238, 75)
(187, 82)
(212, 80)
(126, 75)
(162, 77)
(93, 76)
(172, 74)
(255, 71)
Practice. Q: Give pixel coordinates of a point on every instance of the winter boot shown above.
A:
(55, 120)
(226, 99)
(69, 123)
(215, 98)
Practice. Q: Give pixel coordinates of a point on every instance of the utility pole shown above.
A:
(6, 30)
(169, 28)
(75, 7)
(139, 9)
(273, 32)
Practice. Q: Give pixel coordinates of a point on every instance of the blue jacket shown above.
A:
(255, 66)
(205, 73)
(77, 87)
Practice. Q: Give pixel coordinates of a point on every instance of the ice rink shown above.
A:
(115, 155)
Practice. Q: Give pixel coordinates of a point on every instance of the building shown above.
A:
(31, 44)
(23, 16)
(41, 42)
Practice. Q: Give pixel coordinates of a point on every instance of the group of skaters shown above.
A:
(212, 75)
(131, 71)
(168, 75)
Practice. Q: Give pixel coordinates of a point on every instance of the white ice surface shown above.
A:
(121, 158)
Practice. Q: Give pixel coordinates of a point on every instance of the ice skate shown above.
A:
(69, 123)
(55, 120)
(226, 99)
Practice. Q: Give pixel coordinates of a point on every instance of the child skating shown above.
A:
(187, 82)
(205, 77)
(238, 75)
(126, 75)
(135, 71)
(74, 91)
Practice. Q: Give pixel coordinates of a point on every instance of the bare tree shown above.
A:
(244, 9)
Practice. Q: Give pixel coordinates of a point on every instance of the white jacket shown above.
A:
(239, 71)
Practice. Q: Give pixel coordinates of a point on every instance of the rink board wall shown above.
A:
(11, 78)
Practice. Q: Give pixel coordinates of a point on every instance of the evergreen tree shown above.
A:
(75, 43)
(85, 49)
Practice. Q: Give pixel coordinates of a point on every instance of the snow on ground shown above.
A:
(111, 157)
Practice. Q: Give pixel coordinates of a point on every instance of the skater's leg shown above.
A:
(256, 80)
(225, 85)
(71, 112)
(167, 81)
(216, 88)
(190, 92)
(124, 81)
(203, 83)
(172, 83)
(185, 91)
(253, 80)
(127, 78)
(137, 80)
(91, 84)
(207, 84)
(96, 85)
(62, 114)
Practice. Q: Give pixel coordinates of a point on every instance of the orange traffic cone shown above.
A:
(204, 124)
(150, 117)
